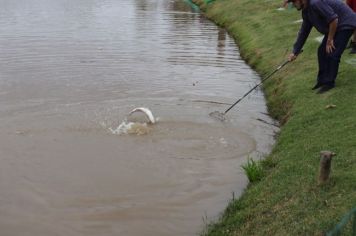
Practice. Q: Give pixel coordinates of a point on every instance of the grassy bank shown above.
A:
(288, 201)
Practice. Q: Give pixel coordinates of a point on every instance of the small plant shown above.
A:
(253, 169)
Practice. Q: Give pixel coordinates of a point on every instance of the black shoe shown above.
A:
(317, 85)
(325, 88)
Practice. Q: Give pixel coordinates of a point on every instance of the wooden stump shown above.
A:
(325, 166)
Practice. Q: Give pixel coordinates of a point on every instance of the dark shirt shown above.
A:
(319, 14)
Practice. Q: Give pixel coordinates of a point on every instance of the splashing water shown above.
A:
(131, 128)
(138, 128)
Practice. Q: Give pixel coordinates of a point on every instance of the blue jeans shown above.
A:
(329, 63)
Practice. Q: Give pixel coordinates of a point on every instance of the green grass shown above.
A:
(253, 170)
(288, 201)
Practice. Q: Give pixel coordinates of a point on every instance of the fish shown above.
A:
(146, 111)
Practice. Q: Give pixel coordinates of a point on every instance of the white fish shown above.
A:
(147, 112)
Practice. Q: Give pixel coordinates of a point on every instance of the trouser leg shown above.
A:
(322, 62)
(333, 59)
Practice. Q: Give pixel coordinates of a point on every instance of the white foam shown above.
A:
(135, 128)
(122, 128)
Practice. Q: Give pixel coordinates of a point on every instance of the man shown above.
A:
(352, 4)
(337, 22)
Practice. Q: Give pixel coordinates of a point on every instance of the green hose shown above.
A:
(209, 1)
(192, 5)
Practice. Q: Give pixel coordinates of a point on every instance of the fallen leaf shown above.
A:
(330, 106)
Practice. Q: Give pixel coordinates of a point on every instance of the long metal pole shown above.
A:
(278, 68)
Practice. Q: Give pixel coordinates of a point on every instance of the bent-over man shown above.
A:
(337, 22)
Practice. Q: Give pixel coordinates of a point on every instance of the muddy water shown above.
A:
(71, 70)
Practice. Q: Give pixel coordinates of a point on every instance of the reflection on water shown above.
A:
(221, 42)
(72, 69)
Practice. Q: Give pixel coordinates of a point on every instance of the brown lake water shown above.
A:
(70, 72)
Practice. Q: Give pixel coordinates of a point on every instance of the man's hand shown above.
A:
(332, 30)
(292, 57)
(330, 46)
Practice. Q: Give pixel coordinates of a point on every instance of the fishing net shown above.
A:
(218, 115)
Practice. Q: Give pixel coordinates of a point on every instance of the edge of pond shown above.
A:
(276, 206)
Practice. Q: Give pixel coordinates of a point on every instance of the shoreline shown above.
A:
(288, 200)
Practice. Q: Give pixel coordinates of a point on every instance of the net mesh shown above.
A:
(218, 115)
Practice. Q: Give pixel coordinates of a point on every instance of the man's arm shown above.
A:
(302, 37)
(332, 30)
(331, 18)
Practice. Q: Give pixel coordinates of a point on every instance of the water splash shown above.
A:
(131, 128)
(137, 128)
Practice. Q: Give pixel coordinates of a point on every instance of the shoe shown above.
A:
(317, 85)
(325, 88)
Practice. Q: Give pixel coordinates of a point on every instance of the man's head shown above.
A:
(299, 4)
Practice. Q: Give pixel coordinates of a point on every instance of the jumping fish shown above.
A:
(146, 111)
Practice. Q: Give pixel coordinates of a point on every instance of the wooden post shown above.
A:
(325, 166)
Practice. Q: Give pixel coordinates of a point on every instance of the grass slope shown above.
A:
(288, 201)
